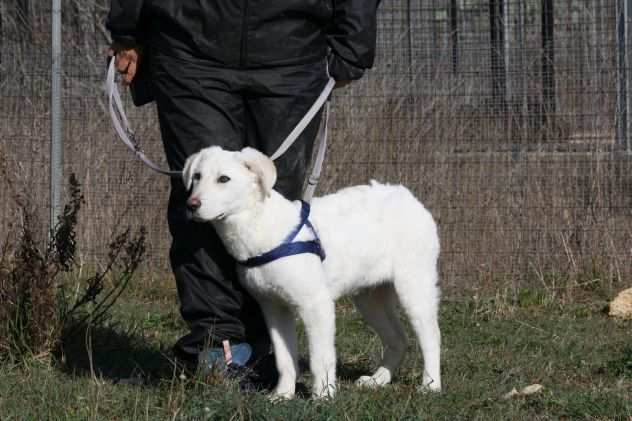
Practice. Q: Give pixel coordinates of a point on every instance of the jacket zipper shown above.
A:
(244, 34)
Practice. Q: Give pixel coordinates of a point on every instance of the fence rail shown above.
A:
(510, 119)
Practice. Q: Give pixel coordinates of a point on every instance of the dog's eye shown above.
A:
(197, 176)
(223, 179)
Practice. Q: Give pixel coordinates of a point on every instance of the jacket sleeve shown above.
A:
(351, 38)
(124, 20)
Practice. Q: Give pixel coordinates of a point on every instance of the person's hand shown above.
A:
(127, 58)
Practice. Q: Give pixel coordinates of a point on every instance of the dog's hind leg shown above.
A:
(418, 294)
(282, 327)
(378, 306)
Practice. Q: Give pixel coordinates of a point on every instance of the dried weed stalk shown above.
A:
(38, 311)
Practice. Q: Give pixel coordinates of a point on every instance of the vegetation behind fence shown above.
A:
(508, 119)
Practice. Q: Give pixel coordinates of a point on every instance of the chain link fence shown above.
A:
(508, 118)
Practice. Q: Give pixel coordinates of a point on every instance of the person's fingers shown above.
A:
(122, 62)
(131, 72)
(126, 62)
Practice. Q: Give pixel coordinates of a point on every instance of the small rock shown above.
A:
(513, 392)
(621, 306)
(529, 390)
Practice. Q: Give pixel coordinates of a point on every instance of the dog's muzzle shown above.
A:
(192, 205)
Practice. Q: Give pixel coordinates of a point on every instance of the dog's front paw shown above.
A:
(429, 387)
(324, 392)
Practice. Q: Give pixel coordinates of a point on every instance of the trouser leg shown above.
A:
(201, 106)
(276, 100)
(197, 108)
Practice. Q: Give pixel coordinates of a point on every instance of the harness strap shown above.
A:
(125, 133)
(305, 209)
(285, 250)
(289, 247)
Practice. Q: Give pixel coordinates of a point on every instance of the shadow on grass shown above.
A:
(345, 371)
(350, 372)
(124, 356)
(116, 355)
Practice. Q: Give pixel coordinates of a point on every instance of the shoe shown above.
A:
(246, 377)
(257, 375)
(252, 372)
(212, 358)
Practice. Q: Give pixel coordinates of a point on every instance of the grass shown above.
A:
(556, 201)
(491, 344)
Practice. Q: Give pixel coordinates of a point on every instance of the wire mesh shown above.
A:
(507, 118)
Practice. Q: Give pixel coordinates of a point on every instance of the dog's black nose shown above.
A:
(193, 204)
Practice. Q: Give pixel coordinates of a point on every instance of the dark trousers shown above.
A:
(201, 105)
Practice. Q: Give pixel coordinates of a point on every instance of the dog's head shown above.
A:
(221, 183)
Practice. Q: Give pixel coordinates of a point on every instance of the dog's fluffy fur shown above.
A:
(381, 244)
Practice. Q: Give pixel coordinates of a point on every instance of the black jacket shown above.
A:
(253, 33)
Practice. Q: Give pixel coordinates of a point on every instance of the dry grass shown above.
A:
(520, 199)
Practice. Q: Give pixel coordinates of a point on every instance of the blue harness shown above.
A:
(289, 247)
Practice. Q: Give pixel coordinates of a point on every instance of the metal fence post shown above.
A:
(506, 16)
(55, 116)
(498, 65)
(522, 55)
(454, 34)
(623, 74)
(411, 36)
(434, 35)
(627, 14)
(548, 60)
(621, 79)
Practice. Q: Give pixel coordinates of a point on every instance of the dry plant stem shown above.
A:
(35, 317)
(96, 384)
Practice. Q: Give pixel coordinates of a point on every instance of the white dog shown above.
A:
(380, 244)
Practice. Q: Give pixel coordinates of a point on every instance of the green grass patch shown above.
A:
(490, 346)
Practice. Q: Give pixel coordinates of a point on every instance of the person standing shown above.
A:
(233, 74)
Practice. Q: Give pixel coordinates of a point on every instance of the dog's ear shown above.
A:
(190, 167)
(262, 166)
